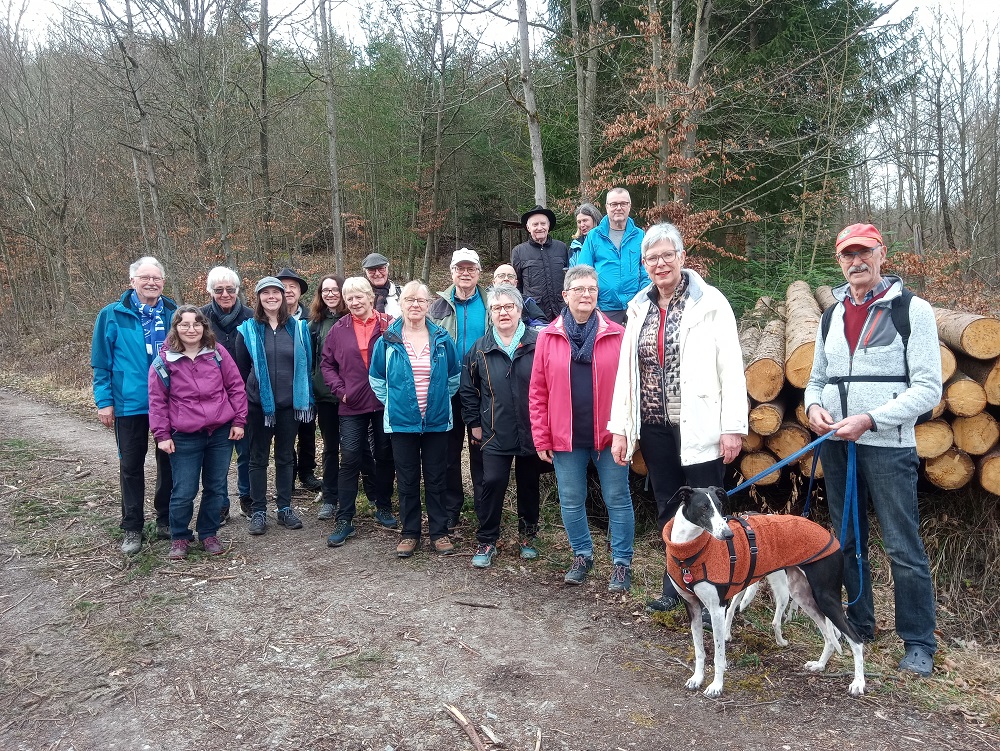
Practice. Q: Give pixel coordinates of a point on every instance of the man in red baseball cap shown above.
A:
(876, 369)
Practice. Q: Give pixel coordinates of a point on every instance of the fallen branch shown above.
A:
(466, 726)
(463, 645)
(476, 604)
(7, 610)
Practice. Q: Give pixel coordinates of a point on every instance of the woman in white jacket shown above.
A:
(680, 386)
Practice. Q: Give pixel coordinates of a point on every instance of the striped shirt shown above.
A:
(421, 365)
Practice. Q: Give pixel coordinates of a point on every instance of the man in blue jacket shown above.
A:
(127, 337)
(614, 248)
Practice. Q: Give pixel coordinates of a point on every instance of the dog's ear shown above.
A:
(682, 496)
(721, 496)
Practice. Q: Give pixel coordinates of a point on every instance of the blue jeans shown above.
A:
(205, 457)
(887, 480)
(571, 477)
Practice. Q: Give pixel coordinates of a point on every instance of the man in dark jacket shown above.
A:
(128, 335)
(225, 312)
(376, 268)
(541, 262)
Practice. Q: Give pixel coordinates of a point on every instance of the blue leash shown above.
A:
(850, 493)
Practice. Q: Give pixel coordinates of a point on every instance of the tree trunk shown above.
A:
(699, 58)
(336, 223)
(530, 106)
(802, 312)
(590, 103)
(765, 370)
(263, 42)
(949, 233)
(968, 333)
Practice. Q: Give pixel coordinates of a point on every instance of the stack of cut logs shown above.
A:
(962, 440)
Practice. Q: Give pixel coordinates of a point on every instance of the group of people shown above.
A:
(572, 357)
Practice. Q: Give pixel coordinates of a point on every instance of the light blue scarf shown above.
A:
(509, 348)
(302, 397)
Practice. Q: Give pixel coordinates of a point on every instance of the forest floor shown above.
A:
(283, 643)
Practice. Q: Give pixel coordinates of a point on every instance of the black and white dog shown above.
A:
(749, 549)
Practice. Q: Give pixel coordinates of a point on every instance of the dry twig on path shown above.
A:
(466, 726)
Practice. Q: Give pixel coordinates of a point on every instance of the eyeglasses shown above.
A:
(497, 277)
(619, 204)
(190, 326)
(416, 300)
(667, 256)
(329, 291)
(225, 290)
(508, 308)
(864, 254)
(465, 270)
(145, 278)
(583, 290)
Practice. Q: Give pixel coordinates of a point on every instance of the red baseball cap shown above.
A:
(861, 235)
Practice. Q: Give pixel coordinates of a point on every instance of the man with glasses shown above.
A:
(876, 368)
(461, 311)
(225, 312)
(540, 262)
(532, 315)
(376, 268)
(614, 248)
(127, 337)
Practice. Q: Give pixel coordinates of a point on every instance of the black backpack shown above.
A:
(899, 309)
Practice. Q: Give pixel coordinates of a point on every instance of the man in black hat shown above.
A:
(305, 450)
(376, 268)
(541, 262)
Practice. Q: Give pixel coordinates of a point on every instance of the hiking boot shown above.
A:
(246, 506)
(407, 547)
(577, 573)
(310, 482)
(162, 531)
(528, 550)
(326, 511)
(132, 543)
(443, 546)
(178, 550)
(223, 516)
(662, 604)
(341, 531)
(484, 556)
(213, 546)
(258, 523)
(621, 578)
(385, 518)
(287, 518)
(917, 660)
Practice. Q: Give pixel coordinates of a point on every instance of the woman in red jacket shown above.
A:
(197, 409)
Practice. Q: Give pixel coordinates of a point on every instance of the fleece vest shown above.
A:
(761, 544)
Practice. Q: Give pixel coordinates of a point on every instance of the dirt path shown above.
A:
(286, 644)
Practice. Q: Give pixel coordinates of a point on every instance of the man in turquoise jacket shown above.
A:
(614, 248)
(127, 336)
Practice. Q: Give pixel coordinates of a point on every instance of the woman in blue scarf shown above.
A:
(274, 353)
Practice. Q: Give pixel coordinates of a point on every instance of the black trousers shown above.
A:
(413, 452)
(328, 417)
(661, 448)
(132, 437)
(305, 450)
(282, 433)
(455, 491)
(496, 477)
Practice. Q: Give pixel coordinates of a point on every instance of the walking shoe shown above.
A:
(443, 546)
(287, 518)
(706, 619)
(407, 546)
(341, 531)
(246, 506)
(484, 556)
(310, 482)
(385, 518)
(917, 660)
(326, 511)
(224, 516)
(162, 531)
(662, 604)
(178, 550)
(528, 550)
(132, 543)
(213, 546)
(577, 573)
(258, 523)
(621, 578)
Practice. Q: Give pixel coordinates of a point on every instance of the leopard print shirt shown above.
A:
(660, 386)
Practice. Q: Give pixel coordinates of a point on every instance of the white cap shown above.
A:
(464, 255)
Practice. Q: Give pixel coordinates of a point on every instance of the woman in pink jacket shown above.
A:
(569, 400)
(197, 408)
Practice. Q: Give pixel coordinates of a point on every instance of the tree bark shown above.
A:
(530, 105)
(337, 229)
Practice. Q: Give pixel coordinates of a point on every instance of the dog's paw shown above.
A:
(815, 666)
(714, 690)
(780, 640)
(693, 683)
(857, 687)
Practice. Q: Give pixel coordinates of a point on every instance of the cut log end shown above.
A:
(950, 471)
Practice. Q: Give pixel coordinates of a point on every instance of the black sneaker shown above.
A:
(342, 530)
(310, 482)
(258, 523)
(162, 531)
(663, 604)
(246, 506)
(577, 573)
(287, 518)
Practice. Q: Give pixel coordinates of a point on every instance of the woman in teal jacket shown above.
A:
(414, 372)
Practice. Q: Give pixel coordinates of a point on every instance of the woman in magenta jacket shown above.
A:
(197, 408)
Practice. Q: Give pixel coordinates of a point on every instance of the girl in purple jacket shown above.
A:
(197, 408)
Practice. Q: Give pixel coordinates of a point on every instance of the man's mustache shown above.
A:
(859, 269)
